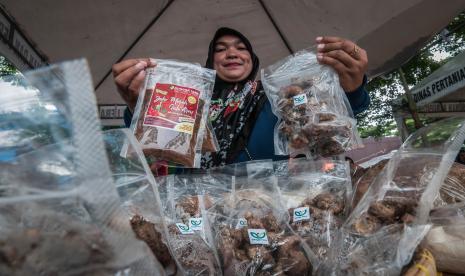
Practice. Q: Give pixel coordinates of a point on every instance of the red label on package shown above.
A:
(172, 107)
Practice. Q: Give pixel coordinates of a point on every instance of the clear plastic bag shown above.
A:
(314, 114)
(401, 197)
(171, 113)
(252, 236)
(453, 189)
(317, 195)
(60, 210)
(139, 196)
(446, 240)
(362, 182)
(189, 232)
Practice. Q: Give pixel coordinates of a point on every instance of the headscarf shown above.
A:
(234, 108)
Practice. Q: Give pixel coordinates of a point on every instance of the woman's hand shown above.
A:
(349, 60)
(129, 76)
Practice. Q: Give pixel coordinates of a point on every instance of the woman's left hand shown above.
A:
(349, 60)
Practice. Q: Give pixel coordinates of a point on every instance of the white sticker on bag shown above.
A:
(241, 223)
(301, 213)
(300, 99)
(184, 229)
(258, 236)
(196, 224)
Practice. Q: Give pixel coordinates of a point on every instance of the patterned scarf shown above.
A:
(233, 115)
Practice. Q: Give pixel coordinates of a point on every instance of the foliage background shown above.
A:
(378, 120)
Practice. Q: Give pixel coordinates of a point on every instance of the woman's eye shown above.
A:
(240, 48)
(219, 50)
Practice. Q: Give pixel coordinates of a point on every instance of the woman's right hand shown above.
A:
(129, 76)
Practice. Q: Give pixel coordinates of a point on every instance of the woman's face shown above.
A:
(231, 59)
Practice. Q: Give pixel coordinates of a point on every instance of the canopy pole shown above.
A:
(283, 38)
(411, 103)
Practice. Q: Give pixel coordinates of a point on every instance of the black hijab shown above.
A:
(235, 107)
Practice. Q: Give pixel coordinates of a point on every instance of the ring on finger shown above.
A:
(355, 51)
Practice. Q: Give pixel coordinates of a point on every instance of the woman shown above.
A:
(240, 112)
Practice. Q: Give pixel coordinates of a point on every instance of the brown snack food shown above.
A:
(401, 199)
(193, 253)
(363, 181)
(190, 204)
(181, 149)
(147, 232)
(35, 252)
(308, 125)
(281, 256)
(319, 230)
(385, 212)
(366, 224)
(329, 202)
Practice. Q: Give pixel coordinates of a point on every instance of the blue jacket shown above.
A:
(261, 141)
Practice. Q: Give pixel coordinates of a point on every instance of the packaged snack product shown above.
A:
(171, 113)
(314, 115)
(317, 195)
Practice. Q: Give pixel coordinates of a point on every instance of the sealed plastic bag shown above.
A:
(402, 195)
(317, 195)
(139, 195)
(453, 189)
(446, 240)
(60, 211)
(171, 113)
(363, 181)
(253, 237)
(189, 234)
(315, 117)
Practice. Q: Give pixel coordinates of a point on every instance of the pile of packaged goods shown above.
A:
(60, 212)
(296, 217)
(86, 202)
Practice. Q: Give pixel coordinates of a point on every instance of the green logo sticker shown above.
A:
(196, 224)
(184, 229)
(257, 236)
(300, 99)
(301, 213)
(241, 223)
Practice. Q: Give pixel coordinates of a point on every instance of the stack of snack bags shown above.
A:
(139, 195)
(59, 207)
(391, 219)
(250, 227)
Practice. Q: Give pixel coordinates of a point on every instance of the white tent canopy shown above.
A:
(107, 31)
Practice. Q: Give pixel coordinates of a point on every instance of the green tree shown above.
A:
(9, 73)
(378, 120)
